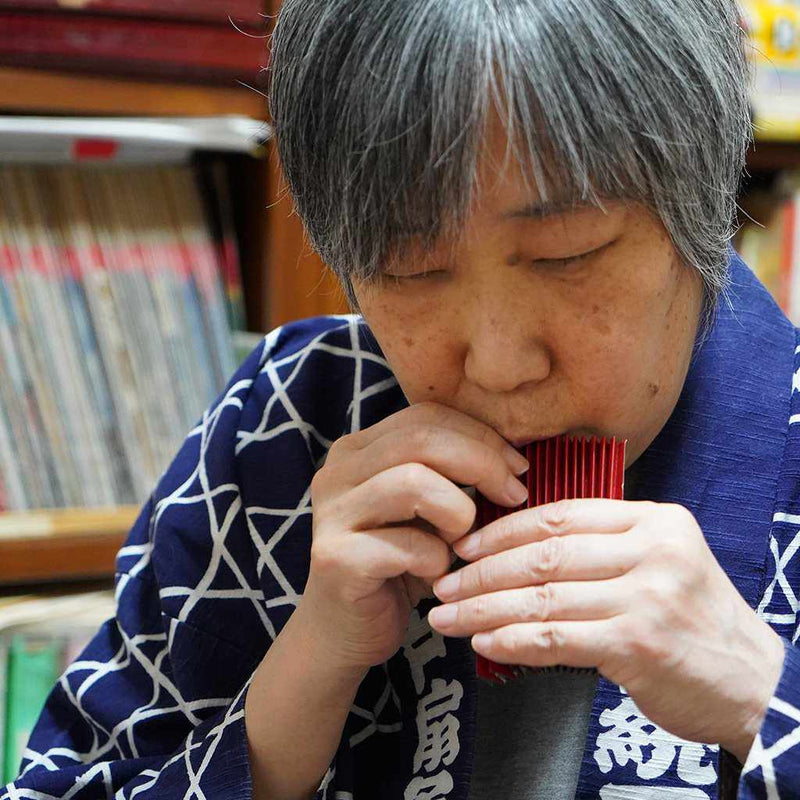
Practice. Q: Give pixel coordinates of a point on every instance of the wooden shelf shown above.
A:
(768, 156)
(60, 545)
(41, 91)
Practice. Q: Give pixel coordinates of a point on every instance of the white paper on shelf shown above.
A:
(126, 139)
(84, 609)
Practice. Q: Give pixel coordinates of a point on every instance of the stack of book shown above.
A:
(115, 326)
(206, 40)
(40, 637)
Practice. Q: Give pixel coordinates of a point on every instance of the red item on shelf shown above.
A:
(130, 46)
(217, 11)
(561, 468)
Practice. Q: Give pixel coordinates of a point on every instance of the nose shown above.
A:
(505, 350)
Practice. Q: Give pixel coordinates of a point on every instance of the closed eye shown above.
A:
(554, 263)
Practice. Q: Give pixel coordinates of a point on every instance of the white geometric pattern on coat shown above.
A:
(780, 609)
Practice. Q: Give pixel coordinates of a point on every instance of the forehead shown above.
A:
(513, 183)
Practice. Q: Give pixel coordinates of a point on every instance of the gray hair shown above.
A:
(381, 109)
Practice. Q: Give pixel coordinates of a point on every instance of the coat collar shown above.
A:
(720, 452)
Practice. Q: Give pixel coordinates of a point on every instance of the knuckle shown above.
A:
(421, 437)
(547, 560)
(429, 410)
(317, 482)
(641, 642)
(479, 611)
(540, 603)
(412, 477)
(551, 640)
(679, 512)
(555, 517)
(675, 552)
(480, 576)
(323, 557)
(651, 592)
(341, 444)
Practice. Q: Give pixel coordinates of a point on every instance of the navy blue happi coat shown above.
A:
(219, 556)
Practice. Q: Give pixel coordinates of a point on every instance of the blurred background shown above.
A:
(146, 246)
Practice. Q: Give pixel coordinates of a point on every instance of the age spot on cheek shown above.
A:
(603, 328)
(408, 341)
(653, 388)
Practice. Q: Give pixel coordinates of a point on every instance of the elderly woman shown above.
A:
(529, 204)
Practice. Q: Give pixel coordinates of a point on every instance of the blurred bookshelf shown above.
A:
(281, 279)
(63, 544)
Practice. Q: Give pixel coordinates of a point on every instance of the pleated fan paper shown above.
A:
(561, 468)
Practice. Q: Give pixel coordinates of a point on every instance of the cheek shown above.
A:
(415, 349)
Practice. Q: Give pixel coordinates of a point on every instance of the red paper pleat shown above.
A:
(560, 468)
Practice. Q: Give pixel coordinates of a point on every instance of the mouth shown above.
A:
(573, 434)
(520, 443)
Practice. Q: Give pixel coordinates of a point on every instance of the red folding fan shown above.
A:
(560, 468)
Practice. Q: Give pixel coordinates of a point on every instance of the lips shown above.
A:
(520, 443)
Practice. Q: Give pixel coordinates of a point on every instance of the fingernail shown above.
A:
(468, 546)
(518, 463)
(517, 493)
(446, 585)
(443, 615)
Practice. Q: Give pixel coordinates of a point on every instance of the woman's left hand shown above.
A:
(630, 588)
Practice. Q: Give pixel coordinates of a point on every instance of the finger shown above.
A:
(580, 600)
(407, 491)
(378, 555)
(550, 520)
(546, 644)
(586, 557)
(462, 459)
(436, 415)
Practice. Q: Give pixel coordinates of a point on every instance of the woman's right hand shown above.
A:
(386, 511)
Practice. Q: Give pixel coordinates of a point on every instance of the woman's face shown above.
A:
(578, 322)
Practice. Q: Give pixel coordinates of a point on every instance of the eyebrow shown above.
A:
(544, 210)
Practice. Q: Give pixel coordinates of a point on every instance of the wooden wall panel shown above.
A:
(300, 284)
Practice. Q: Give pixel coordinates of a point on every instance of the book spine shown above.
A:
(41, 404)
(32, 670)
(90, 239)
(70, 355)
(243, 12)
(146, 46)
(15, 454)
(219, 206)
(205, 270)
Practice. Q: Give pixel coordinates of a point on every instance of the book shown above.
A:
(242, 12)
(129, 46)
(32, 669)
(40, 636)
